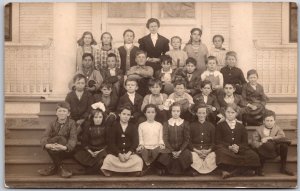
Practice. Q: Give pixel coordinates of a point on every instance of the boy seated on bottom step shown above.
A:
(59, 140)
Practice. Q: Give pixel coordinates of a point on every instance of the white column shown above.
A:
(64, 39)
(241, 34)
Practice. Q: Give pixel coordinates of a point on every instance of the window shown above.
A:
(293, 23)
(126, 10)
(177, 10)
(7, 22)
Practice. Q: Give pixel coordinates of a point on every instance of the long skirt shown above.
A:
(244, 158)
(113, 163)
(149, 155)
(178, 165)
(87, 160)
(204, 166)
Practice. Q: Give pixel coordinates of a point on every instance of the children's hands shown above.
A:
(253, 107)
(162, 146)
(91, 152)
(140, 148)
(127, 155)
(161, 107)
(80, 121)
(265, 139)
(56, 147)
(176, 154)
(235, 148)
(122, 157)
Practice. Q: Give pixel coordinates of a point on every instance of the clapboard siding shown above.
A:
(220, 21)
(84, 18)
(267, 22)
(36, 22)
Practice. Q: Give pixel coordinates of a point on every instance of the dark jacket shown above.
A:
(160, 48)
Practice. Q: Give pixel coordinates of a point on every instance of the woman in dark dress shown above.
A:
(93, 149)
(154, 44)
(233, 155)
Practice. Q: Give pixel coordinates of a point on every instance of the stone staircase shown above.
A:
(24, 156)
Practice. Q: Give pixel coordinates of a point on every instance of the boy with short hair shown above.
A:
(59, 140)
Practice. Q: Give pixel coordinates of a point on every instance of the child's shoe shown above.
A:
(64, 172)
(51, 170)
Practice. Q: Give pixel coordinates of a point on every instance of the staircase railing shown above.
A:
(277, 69)
(28, 69)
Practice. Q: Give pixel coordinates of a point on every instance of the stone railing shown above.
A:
(277, 69)
(28, 69)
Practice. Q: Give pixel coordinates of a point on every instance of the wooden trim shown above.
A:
(283, 100)
(23, 98)
(259, 46)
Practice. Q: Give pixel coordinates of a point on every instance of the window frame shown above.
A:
(286, 25)
(9, 38)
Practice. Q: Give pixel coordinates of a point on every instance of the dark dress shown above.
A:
(234, 76)
(176, 138)
(93, 138)
(127, 54)
(202, 135)
(226, 137)
(154, 51)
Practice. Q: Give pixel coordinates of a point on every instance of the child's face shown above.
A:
(98, 118)
(201, 114)
(125, 116)
(87, 40)
(87, 62)
(111, 62)
(155, 90)
(218, 42)
(231, 61)
(176, 43)
(128, 38)
(166, 65)
(230, 114)
(212, 65)
(253, 79)
(179, 90)
(229, 90)
(80, 84)
(62, 113)
(175, 112)
(106, 39)
(141, 59)
(206, 89)
(131, 86)
(190, 68)
(106, 91)
(153, 28)
(150, 114)
(269, 122)
(196, 37)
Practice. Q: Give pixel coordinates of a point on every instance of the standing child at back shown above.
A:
(218, 51)
(232, 74)
(102, 52)
(196, 49)
(178, 56)
(128, 51)
(85, 45)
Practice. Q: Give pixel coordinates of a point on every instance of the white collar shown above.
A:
(204, 95)
(128, 46)
(131, 94)
(168, 72)
(214, 72)
(229, 96)
(177, 122)
(154, 35)
(112, 69)
(231, 123)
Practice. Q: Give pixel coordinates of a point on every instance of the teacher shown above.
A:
(154, 44)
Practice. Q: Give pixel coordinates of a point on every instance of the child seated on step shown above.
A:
(210, 100)
(112, 74)
(156, 98)
(233, 74)
(253, 93)
(202, 143)
(213, 75)
(270, 142)
(218, 51)
(180, 96)
(80, 100)
(59, 140)
(150, 137)
(178, 56)
(166, 74)
(133, 99)
(123, 140)
(177, 159)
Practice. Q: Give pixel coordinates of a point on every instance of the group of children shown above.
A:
(177, 111)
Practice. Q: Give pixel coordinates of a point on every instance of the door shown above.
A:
(176, 18)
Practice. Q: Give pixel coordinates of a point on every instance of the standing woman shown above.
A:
(85, 45)
(154, 44)
(196, 49)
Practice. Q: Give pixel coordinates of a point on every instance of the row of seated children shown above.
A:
(175, 147)
(252, 93)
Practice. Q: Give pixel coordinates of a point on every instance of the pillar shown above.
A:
(64, 39)
(241, 34)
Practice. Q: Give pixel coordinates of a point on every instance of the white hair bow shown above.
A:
(98, 105)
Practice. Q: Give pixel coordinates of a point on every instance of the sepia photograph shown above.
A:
(150, 94)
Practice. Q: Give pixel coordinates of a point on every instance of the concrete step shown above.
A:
(274, 180)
